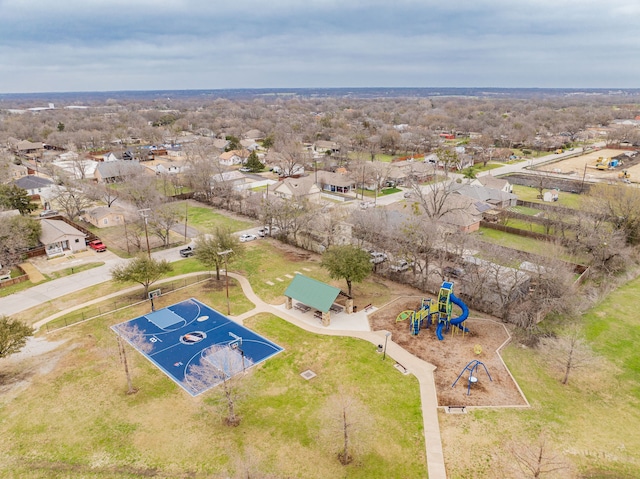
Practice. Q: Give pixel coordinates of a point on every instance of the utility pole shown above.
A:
(145, 214)
(224, 254)
(186, 217)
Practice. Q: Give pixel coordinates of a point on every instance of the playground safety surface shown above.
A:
(451, 355)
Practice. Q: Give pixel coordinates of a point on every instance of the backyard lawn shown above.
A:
(529, 245)
(565, 199)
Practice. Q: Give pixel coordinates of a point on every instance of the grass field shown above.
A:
(567, 200)
(590, 424)
(522, 243)
(206, 220)
(69, 416)
(77, 421)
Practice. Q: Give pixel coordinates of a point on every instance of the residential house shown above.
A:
(496, 198)
(109, 157)
(25, 147)
(117, 171)
(220, 143)
(321, 147)
(303, 188)
(234, 178)
(456, 211)
(78, 168)
(405, 172)
(334, 182)
(103, 216)
(492, 182)
(233, 157)
(254, 135)
(18, 171)
(249, 145)
(58, 236)
(34, 184)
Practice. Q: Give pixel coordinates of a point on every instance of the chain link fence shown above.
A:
(122, 302)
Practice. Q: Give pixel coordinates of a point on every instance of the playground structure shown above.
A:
(472, 367)
(440, 311)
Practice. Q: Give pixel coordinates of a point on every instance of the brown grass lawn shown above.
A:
(65, 413)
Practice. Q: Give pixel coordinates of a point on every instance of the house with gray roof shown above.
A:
(117, 171)
(58, 236)
(335, 182)
(34, 184)
(496, 198)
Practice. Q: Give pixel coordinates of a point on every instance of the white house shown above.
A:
(303, 188)
(35, 185)
(233, 157)
(58, 237)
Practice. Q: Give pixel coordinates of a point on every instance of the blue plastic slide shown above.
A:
(439, 330)
(465, 312)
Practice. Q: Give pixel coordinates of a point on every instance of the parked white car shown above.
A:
(377, 257)
(247, 237)
(262, 232)
(402, 265)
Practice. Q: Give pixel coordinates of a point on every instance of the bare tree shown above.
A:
(569, 351)
(347, 425)
(17, 234)
(538, 460)
(220, 364)
(134, 336)
(542, 180)
(292, 157)
(208, 248)
(163, 218)
(620, 205)
(104, 192)
(71, 198)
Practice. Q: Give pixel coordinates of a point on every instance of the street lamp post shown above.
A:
(384, 352)
(224, 254)
(145, 214)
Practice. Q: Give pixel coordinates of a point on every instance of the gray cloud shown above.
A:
(182, 44)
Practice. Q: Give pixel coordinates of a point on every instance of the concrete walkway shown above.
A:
(422, 370)
(35, 276)
(354, 325)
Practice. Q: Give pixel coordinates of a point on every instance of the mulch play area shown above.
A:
(454, 353)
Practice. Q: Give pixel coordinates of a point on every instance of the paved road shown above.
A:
(41, 293)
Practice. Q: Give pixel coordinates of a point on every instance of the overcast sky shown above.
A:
(109, 45)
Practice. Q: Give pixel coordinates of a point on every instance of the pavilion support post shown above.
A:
(288, 303)
(349, 306)
(326, 318)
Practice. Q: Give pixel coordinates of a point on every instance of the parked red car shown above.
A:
(98, 246)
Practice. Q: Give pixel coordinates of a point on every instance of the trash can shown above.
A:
(355, 308)
(379, 348)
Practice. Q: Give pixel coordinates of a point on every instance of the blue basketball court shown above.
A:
(195, 345)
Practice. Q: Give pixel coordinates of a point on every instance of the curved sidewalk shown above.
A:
(422, 370)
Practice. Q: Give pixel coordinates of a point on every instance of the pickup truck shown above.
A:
(188, 251)
(98, 246)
